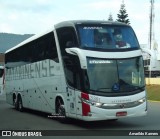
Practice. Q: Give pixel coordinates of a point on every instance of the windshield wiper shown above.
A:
(138, 87)
(100, 90)
(92, 91)
(131, 87)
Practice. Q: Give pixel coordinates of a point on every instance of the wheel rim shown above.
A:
(60, 110)
(20, 105)
(14, 102)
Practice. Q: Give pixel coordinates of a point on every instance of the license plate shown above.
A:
(122, 113)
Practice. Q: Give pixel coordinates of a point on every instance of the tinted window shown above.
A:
(1, 72)
(67, 38)
(107, 37)
(37, 50)
(71, 63)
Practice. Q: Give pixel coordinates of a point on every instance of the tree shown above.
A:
(110, 18)
(123, 16)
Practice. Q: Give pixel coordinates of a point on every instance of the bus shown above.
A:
(1, 79)
(83, 69)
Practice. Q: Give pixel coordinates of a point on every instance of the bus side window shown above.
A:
(1, 72)
(67, 38)
(44, 48)
(51, 50)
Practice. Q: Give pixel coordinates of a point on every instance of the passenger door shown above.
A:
(67, 39)
(71, 101)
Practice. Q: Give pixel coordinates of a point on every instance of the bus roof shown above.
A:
(94, 22)
(65, 24)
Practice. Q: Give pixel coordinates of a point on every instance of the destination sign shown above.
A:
(100, 61)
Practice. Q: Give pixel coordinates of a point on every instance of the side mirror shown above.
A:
(80, 54)
(69, 51)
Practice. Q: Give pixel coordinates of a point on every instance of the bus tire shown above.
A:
(15, 104)
(60, 110)
(20, 104)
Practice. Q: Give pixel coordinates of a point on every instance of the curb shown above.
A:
(154, 101)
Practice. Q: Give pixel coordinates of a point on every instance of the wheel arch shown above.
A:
(19, 95)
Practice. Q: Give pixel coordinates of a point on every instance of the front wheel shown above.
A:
(60, 111)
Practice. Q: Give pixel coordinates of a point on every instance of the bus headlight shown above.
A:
(96, 104)
(142, 100)
(92, 103)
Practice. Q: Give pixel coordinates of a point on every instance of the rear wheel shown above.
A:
(20, 104)
(15, 104)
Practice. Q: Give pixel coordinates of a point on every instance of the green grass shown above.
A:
(153, 92)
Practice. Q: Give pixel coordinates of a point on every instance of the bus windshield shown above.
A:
(107, 37)
(115, 76)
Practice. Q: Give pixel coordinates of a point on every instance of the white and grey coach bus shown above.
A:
(88, 70)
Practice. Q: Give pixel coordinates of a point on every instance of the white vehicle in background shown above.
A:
(151, 59)
(88, 70)
(1, 79)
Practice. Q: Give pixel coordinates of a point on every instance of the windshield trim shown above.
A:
(113, 94)
(109, 50)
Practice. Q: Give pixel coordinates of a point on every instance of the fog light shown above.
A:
(89, 114)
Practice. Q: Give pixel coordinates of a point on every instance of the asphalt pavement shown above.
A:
(10, 119)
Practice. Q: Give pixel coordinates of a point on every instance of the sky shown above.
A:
(35, 16)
